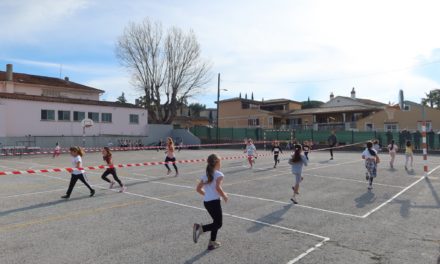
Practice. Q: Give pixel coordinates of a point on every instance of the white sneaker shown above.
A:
(123, 189)
(370, 187)
(111, 185)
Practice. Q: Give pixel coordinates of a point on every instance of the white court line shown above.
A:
(399, 193)
(254, 198)
(295, 260)
(353, 180)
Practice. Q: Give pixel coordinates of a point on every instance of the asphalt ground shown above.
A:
(337, 219)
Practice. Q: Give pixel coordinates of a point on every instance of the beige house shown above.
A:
(339, 113)
(409, 118)
(241, 112)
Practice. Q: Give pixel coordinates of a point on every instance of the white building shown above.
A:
(46, 106)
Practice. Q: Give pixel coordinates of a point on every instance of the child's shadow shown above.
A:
(364, 199)
(270, 219)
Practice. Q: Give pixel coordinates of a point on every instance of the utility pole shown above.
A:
(218, 107)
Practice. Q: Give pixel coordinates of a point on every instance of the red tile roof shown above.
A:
(64, 100)
(48, 81)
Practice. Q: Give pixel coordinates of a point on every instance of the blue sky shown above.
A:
(282, 48)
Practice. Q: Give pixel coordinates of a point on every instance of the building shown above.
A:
(393, 118)
(45, 106)
(339, 113)
(241, 112)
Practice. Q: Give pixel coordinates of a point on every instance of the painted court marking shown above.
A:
(399, 193)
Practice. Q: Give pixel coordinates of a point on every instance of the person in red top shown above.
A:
(107, 156)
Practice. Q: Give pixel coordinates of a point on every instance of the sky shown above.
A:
(295, 49)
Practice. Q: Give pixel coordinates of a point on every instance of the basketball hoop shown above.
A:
(87, 123)
(390, 112)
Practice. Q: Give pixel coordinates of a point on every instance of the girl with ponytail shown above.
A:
(77, 172)
(210, 186)
(371, 160)
(298, 161)
(392, 150)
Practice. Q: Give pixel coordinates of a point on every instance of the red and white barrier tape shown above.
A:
(129, 165)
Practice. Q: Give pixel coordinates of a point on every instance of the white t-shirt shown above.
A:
(250, 149)
(211, 188)
(367, 154)
(75, 160)
(394, 150)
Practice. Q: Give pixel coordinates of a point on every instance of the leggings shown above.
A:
(111, 171)
(214, 209)
(331, 151)
(74, 178)
(168, 159)
(275, 157)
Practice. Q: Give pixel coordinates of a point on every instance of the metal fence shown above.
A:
(209, 135)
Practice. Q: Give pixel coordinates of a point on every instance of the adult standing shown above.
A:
(332, 142)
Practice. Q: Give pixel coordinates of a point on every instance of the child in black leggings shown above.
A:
(210, 186)
(77, 172)
(171, 156)
(107, 156)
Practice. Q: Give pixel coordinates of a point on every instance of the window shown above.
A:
(106, 117)
(406, 108)
(47, 115)
(63, 115)
(270, 121)
(244, 105)
(94, 116)
(134, 119)
(78, 116)
(252, 122)
(428, 125)
(393, 127)
(369, 127)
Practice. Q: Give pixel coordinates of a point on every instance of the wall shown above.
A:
(231, 115)
(406, 119)
(22, 118)
(187, 137)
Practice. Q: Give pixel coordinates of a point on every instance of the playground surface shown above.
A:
(337, 219)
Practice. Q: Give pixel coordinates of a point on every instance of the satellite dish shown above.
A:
(401, 100)
(86, 123)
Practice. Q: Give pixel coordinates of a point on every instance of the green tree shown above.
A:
(432, 99)
(311, 104)
(121, 99)
(196, 108)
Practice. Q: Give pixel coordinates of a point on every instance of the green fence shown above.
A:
(209, 135)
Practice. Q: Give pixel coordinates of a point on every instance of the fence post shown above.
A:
(352, 136)
(313, 139)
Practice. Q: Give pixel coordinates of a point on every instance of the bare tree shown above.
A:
(168, 68)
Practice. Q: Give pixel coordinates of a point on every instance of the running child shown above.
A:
(298, 161)
(251, 151)
(306, 148)
(210, 186)
(276, 149)
(392, 150)
(170, 151)
(108, 158)
(376, 145)
(371, 160)
(409, 155)
(78, 172)
(57, 150)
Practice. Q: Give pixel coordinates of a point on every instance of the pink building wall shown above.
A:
(23, 117)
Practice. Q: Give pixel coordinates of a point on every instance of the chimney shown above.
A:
(332, 96)
(9, 72)
(66, 79)
(353, 93)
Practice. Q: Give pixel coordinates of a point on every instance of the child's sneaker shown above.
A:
(370, 187)
(213, 245)
(169, 172)
(197, 231)
(293, 199)
(111, 185)
(123, 189)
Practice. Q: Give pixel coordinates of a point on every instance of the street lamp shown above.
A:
(218, 105)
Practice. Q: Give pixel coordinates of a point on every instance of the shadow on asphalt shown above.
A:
(42, 205)
(272, 218)
(365, 199)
